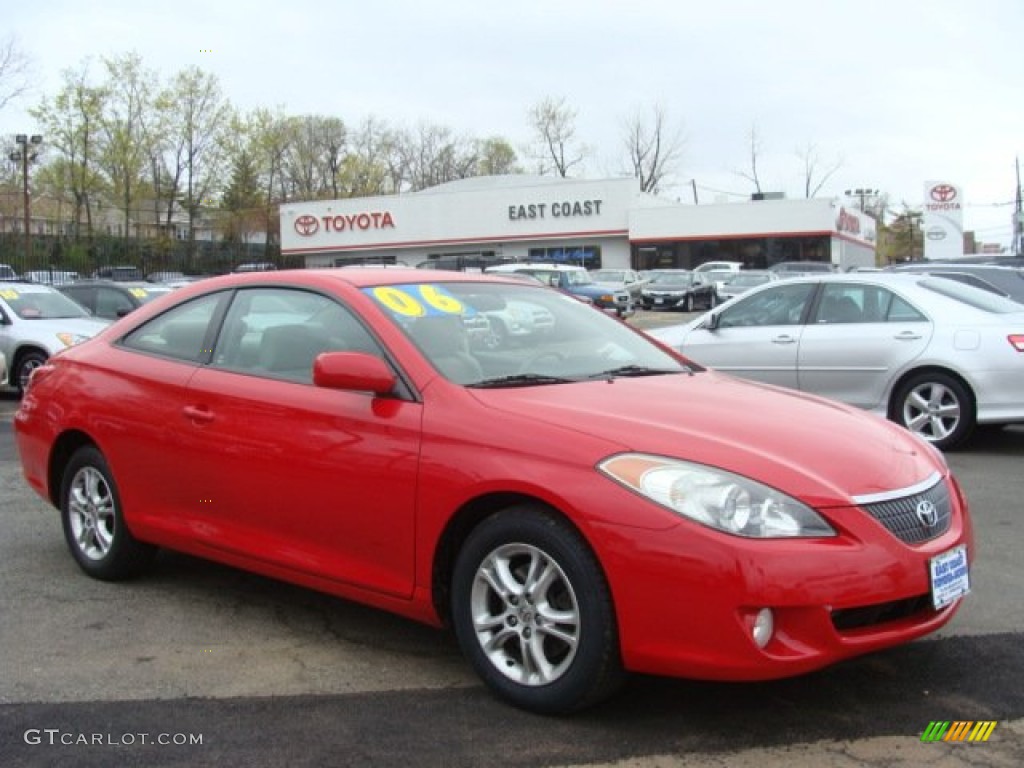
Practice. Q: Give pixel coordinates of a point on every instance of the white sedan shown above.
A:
(37, 321)
(934, 355)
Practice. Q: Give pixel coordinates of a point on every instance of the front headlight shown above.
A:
(722, 500)
(70, 339)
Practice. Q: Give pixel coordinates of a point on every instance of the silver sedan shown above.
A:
(934, 355)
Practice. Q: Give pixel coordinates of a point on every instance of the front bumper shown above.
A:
(687, 598)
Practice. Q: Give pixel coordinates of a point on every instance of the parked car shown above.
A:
(586, 505)
(719, 266)
(112, 300)
(797, 268)
(933, 355)
(37, 321)
(50, 276)
(256, 266)
(7, 273)
(741, 282)
(679, 289)
(1000, 280)
(628, 280)
(575, 280)
(123, 273)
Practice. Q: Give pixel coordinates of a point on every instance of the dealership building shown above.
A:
(597, 223)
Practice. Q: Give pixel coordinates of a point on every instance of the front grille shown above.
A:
(870, 615)
(902, 519)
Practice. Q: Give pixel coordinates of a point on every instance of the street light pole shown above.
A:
(26, 155)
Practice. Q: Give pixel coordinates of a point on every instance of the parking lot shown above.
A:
(264, 673)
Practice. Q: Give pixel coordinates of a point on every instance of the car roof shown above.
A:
(126, 284)
(531, 265)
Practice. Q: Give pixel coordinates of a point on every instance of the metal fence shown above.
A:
(62, 254)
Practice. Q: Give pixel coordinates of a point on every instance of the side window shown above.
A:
(112, 303)
(900, 311)
(278, 332)
(84, 295)
(180, 333)
(841, 303)
(782, 305)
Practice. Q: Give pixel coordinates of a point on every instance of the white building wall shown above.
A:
(509, 215)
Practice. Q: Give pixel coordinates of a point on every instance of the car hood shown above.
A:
(818, 450)
(44, 328)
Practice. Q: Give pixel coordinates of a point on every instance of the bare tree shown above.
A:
(199, 114)
(554, 124)
(71, 122)
(815, 171)
(14, 71)
(126, 136)
(654, 149)
(755, 152)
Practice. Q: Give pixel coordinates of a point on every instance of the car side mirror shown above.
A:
(711, 322)
(353, 370)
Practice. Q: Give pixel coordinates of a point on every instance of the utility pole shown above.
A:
(1018, 220)
(25, 155)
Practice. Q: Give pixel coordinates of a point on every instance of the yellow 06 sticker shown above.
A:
(398, 301)
(443, 302)
(7, 293)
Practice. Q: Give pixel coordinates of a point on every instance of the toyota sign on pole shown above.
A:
(943, 221)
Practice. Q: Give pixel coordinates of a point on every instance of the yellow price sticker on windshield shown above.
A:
(7, 293)
(139, 293)
(398, 301)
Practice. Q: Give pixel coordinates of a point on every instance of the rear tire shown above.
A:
(93, 520)
(533, 613)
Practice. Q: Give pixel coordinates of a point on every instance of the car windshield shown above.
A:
(578, 277)
(608, 276)
(39, 302)
(485, 335)
(672, 278)
(147, 293)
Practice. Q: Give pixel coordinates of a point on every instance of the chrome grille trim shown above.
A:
(912, 490)
(900, 518)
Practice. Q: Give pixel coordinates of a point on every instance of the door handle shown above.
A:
(198, 414)
(907, 336)
(783, 340)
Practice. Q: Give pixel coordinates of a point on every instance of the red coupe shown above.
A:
(575, 504)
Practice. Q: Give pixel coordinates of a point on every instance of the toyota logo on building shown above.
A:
(943, 193)
(307, 225)
(927, 514)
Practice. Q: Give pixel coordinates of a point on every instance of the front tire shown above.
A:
(93, 520)
(533, 613)
(27, 362)
(936, 407)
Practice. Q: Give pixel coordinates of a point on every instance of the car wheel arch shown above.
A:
(462, 523)
(64, 447)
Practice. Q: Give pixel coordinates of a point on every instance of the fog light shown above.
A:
(764, 626)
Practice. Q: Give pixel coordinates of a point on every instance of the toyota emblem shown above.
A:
(943, 193)
(307, 225)
(927, 514)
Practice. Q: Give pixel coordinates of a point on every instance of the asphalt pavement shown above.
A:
(198, 664)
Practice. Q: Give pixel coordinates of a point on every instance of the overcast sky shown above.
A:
(898, 91)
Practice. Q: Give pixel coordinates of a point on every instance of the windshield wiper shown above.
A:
(638, 370)
(520, 380)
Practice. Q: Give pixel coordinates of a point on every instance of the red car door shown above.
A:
(316, 480)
